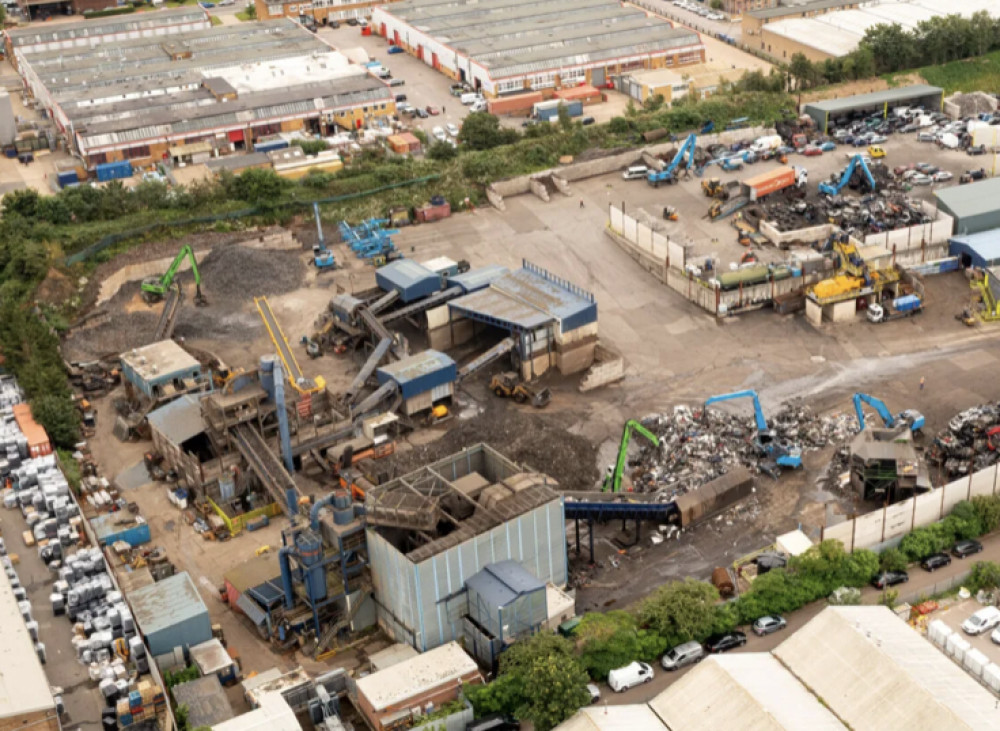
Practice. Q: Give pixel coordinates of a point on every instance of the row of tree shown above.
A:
(887, 48)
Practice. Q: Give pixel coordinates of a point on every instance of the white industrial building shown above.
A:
(838, 33)
(509, 46)
(861, 668)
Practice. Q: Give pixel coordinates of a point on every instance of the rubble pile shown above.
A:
(872, 213)
(695, 448)
(970, 442)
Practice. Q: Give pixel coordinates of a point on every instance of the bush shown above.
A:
(607, 641)
(987, 509)
(892, 559)
(680, 611)
(441, 151)
(985, 576)
(311, 147)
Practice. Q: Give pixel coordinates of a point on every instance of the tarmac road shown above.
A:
(921, 583)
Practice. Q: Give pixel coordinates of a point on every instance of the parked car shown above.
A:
(395, 49)
(685, 654)
(334, 23)
(890, 578)
(439, 134)
(595, 693)
(982, 620)
(966, 548)
(876, 151)
(767, 624)
(878, 139)
(404, 109)
(636, 172)
(925, 136)
(352, 21)
(942, 176)
(587, 120)
(976, 150)
(396, 82)
(636, 673)
(828, 146)
(206, 5)
(925, 167)
(920, 179)
(452, 129)
(400, 98)
(935, 561)
(494, 722)
(812, 151)
(725, 641)
(421, 113)
(433, 110)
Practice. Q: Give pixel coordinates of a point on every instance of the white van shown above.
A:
(678, 657)
(470, 98)
(479, 105)
(636, 172)
(984, 619)
(637, 673)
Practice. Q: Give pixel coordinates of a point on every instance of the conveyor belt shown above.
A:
(425, 304)
(500, 349)
(384, 391)
(661, 512)
(382, 302)
(295, 377)
(265, 465)
(380, 332)
(368, 368)
(165, 327)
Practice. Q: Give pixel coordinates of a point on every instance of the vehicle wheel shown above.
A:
(519, 398)
(648, 680)
(622, 689)
(743, 643)
(498, 391)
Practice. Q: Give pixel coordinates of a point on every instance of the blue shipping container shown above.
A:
(114, 171)
(270, 145)
(67, 177)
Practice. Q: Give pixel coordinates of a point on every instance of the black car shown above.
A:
(587, 120)
(890, 578)
(421, 113)
(400, 98)
(935, 561)
(494, 722)
(334, 23)
(966, 548)
(725, 641)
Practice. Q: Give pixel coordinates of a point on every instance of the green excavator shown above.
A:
(155, 289)
(613, 478)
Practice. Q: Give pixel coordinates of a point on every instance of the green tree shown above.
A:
(482, 131)
(619, 125)
(607, 641)
(21, 203)
(653, 102)
(987, 509)
(920, 543)
(717, 5)
(59, 417)
(540, 680)
(251, 12)
(891, 46)
(258, 186)
(801, 69)
(565, 121)
(680, 611)
(892, 559)
(441, 151)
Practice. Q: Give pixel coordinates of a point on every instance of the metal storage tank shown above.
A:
(171, 614)
(310, 548)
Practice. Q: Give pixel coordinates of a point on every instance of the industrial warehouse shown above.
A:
(836, 33)
(195, 94)
(505, 47)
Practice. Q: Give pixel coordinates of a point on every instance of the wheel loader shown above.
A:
(508, 385)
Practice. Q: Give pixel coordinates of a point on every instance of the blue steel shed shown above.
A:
(977, 250)
(419, 373)
(171, 614)
(476, 279)
(413, 281)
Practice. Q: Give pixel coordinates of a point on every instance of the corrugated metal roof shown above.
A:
(985, 245)
(971, 199)
(876, 672)
(442, 666)
(416, 366)
(167, 603)
(783, 10)
(495, 305)
(88, 28)
(746, 691)
(501, 583)
(251, 609)
(875, 98)
(633, 717)
(24, 688)
(479, 278)
(404, 273)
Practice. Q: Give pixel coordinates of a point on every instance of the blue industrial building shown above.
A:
(161, 371)
(553, 322)
(423, 379)
(431, 531)
(980, 250)
(477, 279)
(171, 614)
(506, 601)
(413, 281)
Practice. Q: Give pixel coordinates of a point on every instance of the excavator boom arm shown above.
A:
(631, 427)
(168, 278)
(880, 408)
(758, 412)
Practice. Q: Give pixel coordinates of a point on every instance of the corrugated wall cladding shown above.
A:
(422, 604)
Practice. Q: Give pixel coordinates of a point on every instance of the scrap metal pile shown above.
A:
(695, 450)
(970, 442)
(859, 216)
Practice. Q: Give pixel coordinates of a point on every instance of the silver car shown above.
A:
(768, 623)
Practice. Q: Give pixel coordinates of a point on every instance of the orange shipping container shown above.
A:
(38, 441)
(514, 104)
(769, 182)
(584, 93)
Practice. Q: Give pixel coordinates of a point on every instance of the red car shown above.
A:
(432, 110)
(812, 151)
